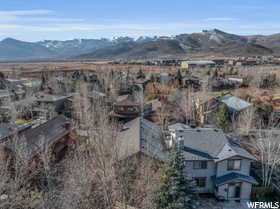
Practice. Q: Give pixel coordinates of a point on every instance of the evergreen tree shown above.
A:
(179, 77)
(224, 118)
(176, 189)
(140, 75)
(153, 79)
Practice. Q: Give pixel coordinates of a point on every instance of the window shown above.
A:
(131, 109)
(200, 164)
(234, 165)
(200, 182)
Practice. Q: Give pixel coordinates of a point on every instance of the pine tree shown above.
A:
(140, 75)
(176, 189)
(179, 77)
(223, 118)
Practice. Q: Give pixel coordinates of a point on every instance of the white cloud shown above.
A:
(22, 16)
(25, 12)
(50, 19)
(98, 27)
(220, 19)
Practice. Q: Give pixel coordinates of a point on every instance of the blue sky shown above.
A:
(33, 20)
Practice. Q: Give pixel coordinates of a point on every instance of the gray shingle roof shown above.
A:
(4, 93)
(8, 129)
(210, 144)
(178, 126)
(232, 148)
(53, 98)
(196, 154)
(140, 135)
(34, 141)
(233, 103)
(234, 176)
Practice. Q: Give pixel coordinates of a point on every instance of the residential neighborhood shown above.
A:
(139, 104)
(132, 121)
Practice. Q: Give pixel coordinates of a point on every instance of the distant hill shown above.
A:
(137, 50)
(75, 46)
(212, 42)
(207, 42)
(14, 49)
(270, 41)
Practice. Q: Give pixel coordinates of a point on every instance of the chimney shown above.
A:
(180, 141)
(67, 126)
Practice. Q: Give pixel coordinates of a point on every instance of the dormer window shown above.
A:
(234, 165)
(200, 164)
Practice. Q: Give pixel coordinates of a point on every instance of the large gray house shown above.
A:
(216, 162)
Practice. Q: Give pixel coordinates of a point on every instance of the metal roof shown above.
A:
(233, 103)
(201, 62)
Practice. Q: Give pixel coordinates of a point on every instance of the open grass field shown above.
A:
(61, 66)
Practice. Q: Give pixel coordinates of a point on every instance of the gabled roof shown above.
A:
(198, 155)
(126, 100)
(4, 93)
(231, 149)
(178, 127)
(140, 135)
(234, 176)
(54, 98)
(210, 144)
(34, 141)
(233, 103)
(8, 129)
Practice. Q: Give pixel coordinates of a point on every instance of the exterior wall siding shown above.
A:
(222, 167)
(219, 169)
(244, 195)
(208, 173)
(246, 191)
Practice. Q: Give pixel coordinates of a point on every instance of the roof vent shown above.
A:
(216, 130)
(229, 150)
(198, 130)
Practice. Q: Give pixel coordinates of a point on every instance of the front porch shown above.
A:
(234, 186)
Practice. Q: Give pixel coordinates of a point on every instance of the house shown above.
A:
(206, 107)
(192, 82)
(235, 78)
(55, 103)
(141, 83)
(196, 64)
(5, 98)
(50, 137)
(9, 130)
(217, 163)
(126, 107)
(140, 136)
(234, 104)
(166, 78)
(96, 95)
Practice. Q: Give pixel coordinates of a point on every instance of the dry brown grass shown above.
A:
(68, 66)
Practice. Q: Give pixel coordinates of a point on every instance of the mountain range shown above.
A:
(207, 42)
